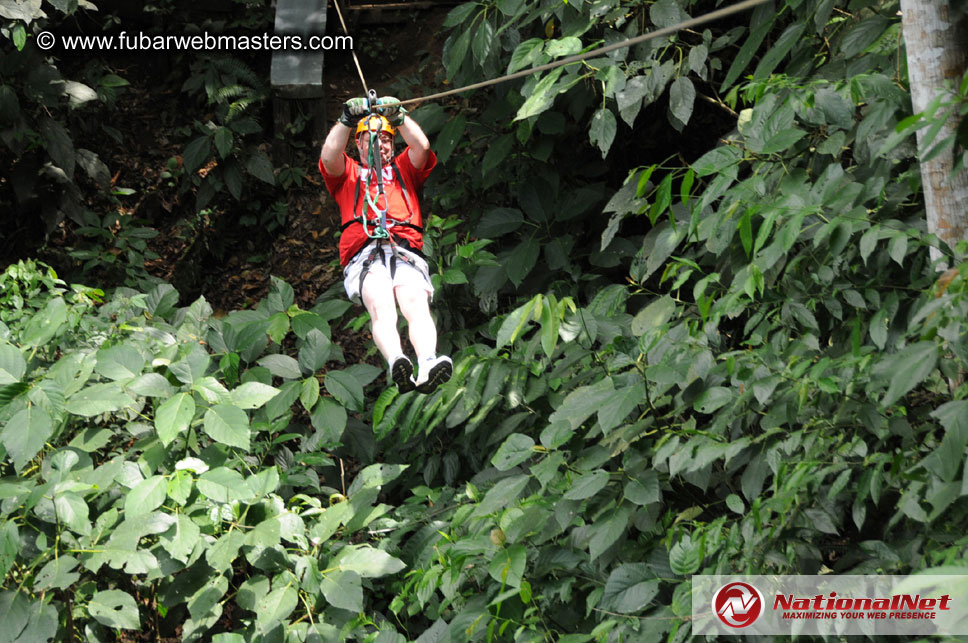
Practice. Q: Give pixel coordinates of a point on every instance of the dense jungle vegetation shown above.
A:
(687, 287)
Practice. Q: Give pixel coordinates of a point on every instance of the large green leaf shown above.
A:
(629, 588)
(584, 401)
(513, 451)
(499, 221)
(342, 589)
(115, 609)
(228, 424)
(449, 137)
(748, 50)
(265, 534)
(329, 418)
(276, 606)
(174, 416)
(587, 485)
(223, 485)
(862, 35)
(501, 495)
(345, 388)
(712, 399)
(60, 145)
(685, 557)
(606, 533)
(514, 323)
(281, 366)
(526, 54)
(315, 351)
(121, 362)
(72, 511)
(629, 99)
(375, 476)
(252, 395)
(654, 315)
(459, 14)
(197, 153)
(366, 561)
(12, 364)
(58, 573)
(207, 597)
(97, 399)
(508, 565)
(146, 496)
(482, 42)
(541, 97)
(618, 406)
(522, 260)
(225, 550)
(666, 13)
(497, 153)
(790, 37)
(45, 324)
(9, 546)
(259, 166)
(150, 385)
(181, 538)
(223, 141)
(456, 51)
(682, 98)
(909, 368)
(602, 130)
(643, 489)
(567, 46)
(25, 434)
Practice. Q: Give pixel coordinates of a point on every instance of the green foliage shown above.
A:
(225, 151)
(45, 165)
(737, 359)
(768, 391)
(157, 451)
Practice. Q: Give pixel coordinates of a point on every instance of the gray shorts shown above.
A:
(376, 256)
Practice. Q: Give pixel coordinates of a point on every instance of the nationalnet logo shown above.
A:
(898, 606)
(831, 605)
(738, 604)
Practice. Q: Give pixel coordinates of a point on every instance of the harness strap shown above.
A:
(376, 252)
(358, 218)
(403, 186)
(390, 224)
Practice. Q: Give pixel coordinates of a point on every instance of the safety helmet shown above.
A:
(385, 126)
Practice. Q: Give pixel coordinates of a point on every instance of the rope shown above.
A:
(658, 33)
(356, 60)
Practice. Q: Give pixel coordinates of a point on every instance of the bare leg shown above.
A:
(377, 296)
(415, 306)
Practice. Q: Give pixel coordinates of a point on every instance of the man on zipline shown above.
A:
(381, 255)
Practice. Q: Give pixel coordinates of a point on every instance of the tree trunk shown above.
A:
(936, 44)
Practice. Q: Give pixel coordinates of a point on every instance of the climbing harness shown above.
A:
(377, 253)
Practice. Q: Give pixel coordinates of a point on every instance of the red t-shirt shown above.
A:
(343, 189)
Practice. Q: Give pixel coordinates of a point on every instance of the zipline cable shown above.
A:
(658, 33)
(366, 91)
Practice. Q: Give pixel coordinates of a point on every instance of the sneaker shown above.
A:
(401, 372)
(433, 373)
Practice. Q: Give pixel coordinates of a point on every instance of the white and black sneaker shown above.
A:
(433, 372)
(401, 372)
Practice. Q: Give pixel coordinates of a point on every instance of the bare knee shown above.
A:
(378, 299)
(413, 301)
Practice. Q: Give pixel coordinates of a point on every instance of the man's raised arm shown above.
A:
(409, 129)
(331, 153)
